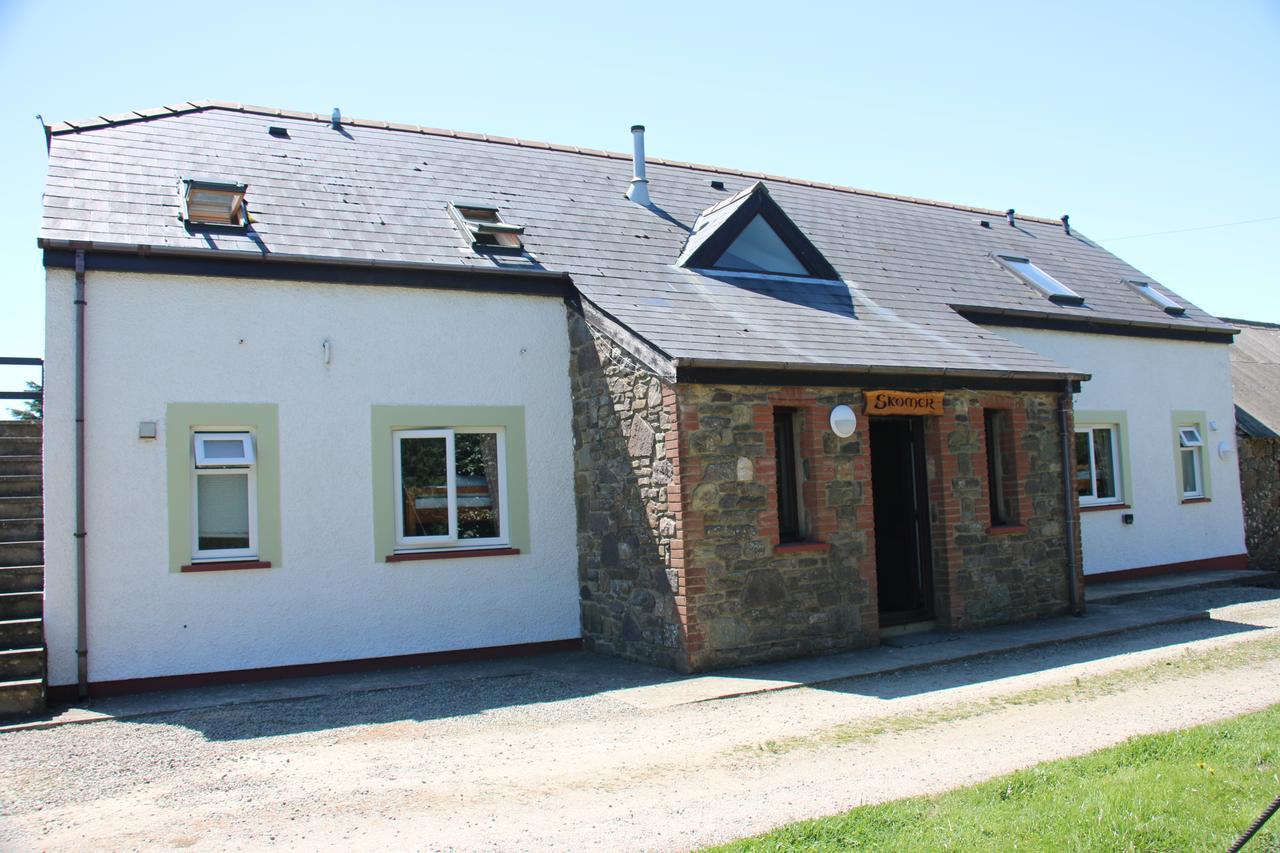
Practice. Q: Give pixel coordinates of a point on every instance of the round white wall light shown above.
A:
(843, 421)
(1225, 449)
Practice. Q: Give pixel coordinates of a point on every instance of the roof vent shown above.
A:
(1066, 225)
(278, 132)
(484, 228)
(639, 189)
(204, 201)
(717, 185)
(1008, 214)
(335, 120)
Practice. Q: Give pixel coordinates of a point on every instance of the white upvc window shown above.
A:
(450, 488)
(1098, 465)
(224, 496)
(1191, 459)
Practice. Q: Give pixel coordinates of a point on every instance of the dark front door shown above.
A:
(904, 576)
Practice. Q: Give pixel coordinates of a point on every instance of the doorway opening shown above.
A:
(904, 571)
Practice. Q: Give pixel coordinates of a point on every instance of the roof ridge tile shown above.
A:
(197, 106)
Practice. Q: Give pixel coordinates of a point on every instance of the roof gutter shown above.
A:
(1022, 313)
(832, 367)
(244, 255)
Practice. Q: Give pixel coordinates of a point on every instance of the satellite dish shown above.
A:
(843, 421)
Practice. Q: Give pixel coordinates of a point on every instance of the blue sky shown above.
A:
(1135, 118)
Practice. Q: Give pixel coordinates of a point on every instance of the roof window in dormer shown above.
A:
(206, 201)
(1046, 284)
(750, 233)
(1155, 297)
(483, 227)
(759, 249)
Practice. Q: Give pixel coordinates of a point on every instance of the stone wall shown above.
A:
(986, 575)
(1260, 485)
(627, 497)
(753, 599)
(764, 601)
(680, 561)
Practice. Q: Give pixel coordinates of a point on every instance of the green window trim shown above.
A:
(387, 419)
(183, 419)
(1201, 420)
(1085, 418)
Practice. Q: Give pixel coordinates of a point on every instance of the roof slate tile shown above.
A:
(379, 192)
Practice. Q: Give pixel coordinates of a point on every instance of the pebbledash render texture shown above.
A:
(680, 561)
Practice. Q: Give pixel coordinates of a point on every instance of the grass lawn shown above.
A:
(1196, 789)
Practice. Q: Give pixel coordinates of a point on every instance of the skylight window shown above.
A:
(1155, 297)
(483, 227)
(750, 233)
(758, 248)
(1039, 279)
(212, 202)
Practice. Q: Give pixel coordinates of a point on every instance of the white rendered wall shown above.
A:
(1150, 379)
(155, 340)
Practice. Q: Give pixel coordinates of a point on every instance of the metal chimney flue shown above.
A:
(335, 121)
(1066, 225)
(639, 189)
(1009, 215)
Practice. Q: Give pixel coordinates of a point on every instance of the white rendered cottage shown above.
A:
(327, 410)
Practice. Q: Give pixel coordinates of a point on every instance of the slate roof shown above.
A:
(1255, 378)
(374, 192)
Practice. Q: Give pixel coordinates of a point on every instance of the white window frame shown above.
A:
(450, 541)
(203, 467)
(1116, 466)
(247, 456)
(1192, 444)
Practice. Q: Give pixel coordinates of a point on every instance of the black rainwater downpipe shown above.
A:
(1069, 497)
(82, 620)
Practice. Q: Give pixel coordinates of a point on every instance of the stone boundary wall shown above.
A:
(627, 492)
(1260, 486)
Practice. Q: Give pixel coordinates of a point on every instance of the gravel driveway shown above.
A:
(534, 761)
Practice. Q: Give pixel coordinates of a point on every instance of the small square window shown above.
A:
(1040, 280)
(1098, 465)
(483, 226)
(211, 202)
(449, 488)
(1189, 436)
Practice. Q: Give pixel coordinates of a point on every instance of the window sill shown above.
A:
(409, 556)
(998, 529)
(225, 566)
(1195, 500)
(802, 548)
(1102, 507)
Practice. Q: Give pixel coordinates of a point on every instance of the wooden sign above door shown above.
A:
(904, 402)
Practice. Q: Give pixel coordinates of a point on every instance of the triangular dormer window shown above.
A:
(751, 233)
